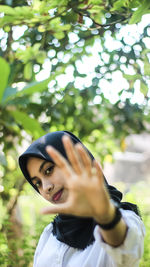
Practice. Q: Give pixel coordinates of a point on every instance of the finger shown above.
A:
(98, 170)
(87, 162)
(72, 154)
(59, 160)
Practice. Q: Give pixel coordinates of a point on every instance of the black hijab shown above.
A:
(74, 231)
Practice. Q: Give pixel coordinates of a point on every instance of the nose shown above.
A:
(47, 187)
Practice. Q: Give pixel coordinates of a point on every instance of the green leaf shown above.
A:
(66, 27)
(147, 68)
(3, 160)
(143, 9)
(30, 89)
(40, 57)
(59, 35)
(24, 11)
(4, 74)
(29, 124)
(118, 5)
(34, 87)
(95, 2)
(143, 88)
(28, 71)
(9, 91)
(36, 47)
(6, 20)
(7, 10)
(131, 77)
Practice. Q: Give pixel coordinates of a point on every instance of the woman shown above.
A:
(93, 228)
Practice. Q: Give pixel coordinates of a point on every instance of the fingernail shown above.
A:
(65, 137)
(78, 145)
(49, 147)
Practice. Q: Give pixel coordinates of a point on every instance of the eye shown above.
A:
(49, 170)
(38, 184)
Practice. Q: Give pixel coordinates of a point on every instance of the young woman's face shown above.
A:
(48, 179)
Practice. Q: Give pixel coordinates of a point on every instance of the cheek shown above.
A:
(45, 195)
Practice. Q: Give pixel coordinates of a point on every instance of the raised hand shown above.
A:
(88, 196)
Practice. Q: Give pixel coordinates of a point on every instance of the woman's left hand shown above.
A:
(88, 195)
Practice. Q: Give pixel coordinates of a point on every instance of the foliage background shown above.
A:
(57, 37)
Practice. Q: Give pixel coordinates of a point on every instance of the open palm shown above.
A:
(88, 196)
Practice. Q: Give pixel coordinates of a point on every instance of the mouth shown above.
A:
(56, 197)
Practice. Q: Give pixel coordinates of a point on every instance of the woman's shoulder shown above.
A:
(48, 229)
(44, 237)
(46, 233)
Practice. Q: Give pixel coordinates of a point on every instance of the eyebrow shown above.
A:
(42, 165)
(40, 169)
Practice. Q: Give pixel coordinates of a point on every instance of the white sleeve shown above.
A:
(130, 252)
(42, 241)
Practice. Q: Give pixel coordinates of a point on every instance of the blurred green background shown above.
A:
(81, 66)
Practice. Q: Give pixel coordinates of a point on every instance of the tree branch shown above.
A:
(12, 203)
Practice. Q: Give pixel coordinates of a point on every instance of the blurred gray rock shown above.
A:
(133, 165)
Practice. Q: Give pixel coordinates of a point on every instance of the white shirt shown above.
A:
(50, 252)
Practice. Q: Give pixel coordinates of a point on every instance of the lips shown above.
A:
(57, 195)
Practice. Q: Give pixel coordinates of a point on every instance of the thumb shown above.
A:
(54, 209)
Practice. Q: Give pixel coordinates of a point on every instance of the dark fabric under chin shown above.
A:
(74, 231)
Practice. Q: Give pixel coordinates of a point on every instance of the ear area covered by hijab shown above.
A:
(75, 231)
